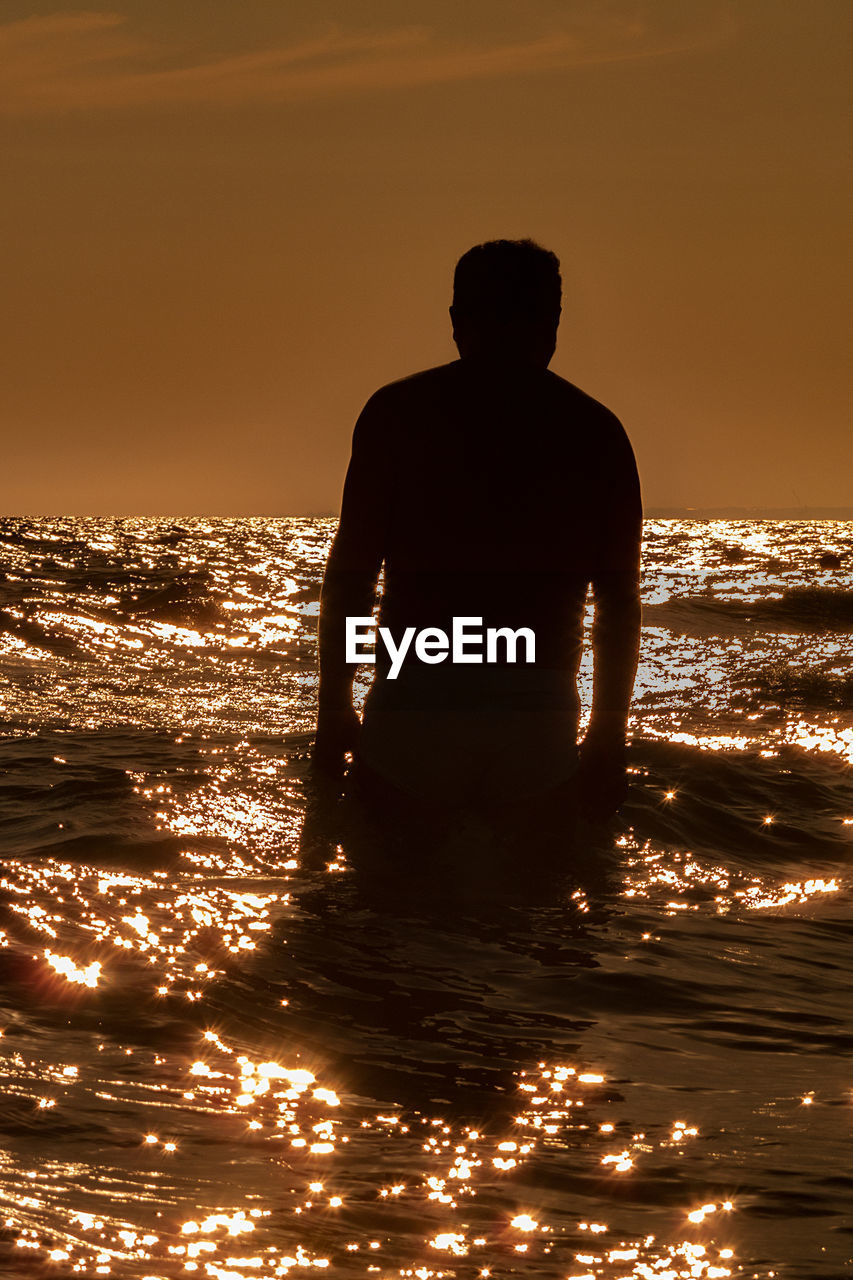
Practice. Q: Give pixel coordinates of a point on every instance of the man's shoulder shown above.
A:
(405, 399)
(416, 385)
(570, 397)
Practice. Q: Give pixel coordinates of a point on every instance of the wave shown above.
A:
(799, 609)
(24, 626)
(185, 598)
(718, 802)
(77, 796)
(787, 685)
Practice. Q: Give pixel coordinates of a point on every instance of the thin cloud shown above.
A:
(90, 61)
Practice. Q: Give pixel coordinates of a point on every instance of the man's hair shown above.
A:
(506, 279)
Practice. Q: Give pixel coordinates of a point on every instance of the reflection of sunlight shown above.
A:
(705, 741)
(552, 1117)
(758, 897)
(656, 874)
(86, 977)
(812, 737)
(700, 1214)
(559, 1105)
(180, 1053)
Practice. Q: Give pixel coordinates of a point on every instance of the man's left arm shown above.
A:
(616, 629)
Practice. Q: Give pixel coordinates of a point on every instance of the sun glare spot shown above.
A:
(64, 965)
(524, 1222)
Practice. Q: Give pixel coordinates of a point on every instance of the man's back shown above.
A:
(492, 494)
(483, 469)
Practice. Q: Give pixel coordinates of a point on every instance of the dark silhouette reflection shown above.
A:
(434, 972)
(490, 490)
(404, 1004)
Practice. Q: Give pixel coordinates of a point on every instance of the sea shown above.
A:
(227, 1054)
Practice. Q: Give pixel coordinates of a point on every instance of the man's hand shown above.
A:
(337, 733)
(602, 780)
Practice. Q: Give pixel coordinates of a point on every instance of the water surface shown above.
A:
(219, 1060)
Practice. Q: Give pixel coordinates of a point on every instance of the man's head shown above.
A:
(506, 302)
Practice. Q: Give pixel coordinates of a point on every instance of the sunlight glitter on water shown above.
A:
(241, 1070)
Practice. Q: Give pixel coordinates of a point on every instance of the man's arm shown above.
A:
(349, 586)
(616, 648)
(615, 632)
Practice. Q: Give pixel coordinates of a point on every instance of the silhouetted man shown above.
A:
(495, 492)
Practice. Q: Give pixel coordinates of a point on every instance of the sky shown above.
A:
(225, 223)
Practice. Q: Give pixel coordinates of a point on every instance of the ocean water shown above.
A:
(223, 1058)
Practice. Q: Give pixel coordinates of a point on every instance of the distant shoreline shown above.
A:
(749, 513)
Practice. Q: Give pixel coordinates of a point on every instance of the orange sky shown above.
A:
(223, 225)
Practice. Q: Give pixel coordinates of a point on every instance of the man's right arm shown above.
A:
(349, 586)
